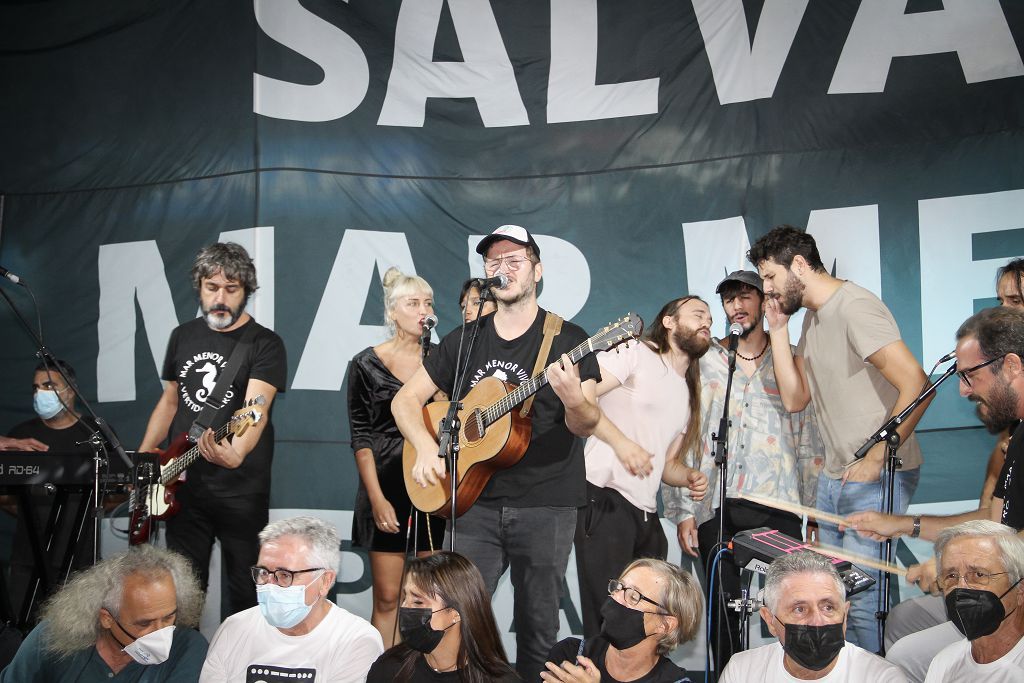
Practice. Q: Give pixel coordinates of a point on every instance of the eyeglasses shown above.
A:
(283, 577)
(972, 578)
(631, 595)
(964, 373)
(491, 265)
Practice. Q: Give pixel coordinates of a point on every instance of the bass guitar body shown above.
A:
(156, 501)
(483, 449)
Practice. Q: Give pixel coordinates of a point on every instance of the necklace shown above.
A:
(441, 669)
(766, 341)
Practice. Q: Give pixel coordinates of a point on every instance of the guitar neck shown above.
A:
(183, 461)
(531, 386)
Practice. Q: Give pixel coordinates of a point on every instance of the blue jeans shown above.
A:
(534, 543)
(844, 499)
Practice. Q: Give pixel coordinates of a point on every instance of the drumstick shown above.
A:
(824, 549)
(795, 508)
(843, 554)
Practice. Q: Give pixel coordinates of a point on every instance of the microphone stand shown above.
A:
(887, 432)
(100, 437)
(448, 433)
(721, 440)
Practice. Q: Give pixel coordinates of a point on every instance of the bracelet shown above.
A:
(917, 527)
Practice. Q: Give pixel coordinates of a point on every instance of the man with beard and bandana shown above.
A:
(805, 607)
(852, 361)
(226, 494)
(650, 419)
(772, 453)
(525, 517)
(981, 565)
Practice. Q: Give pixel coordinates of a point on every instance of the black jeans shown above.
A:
(236, 522)
(610, 533)
(740, 515)
(534, 544)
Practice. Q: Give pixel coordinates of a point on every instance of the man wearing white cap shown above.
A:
(526, 515)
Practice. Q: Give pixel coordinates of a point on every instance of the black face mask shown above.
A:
(813, 647)
(621, 626)
(417, 633)
(976, 613)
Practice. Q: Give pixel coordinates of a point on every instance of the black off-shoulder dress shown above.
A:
(371, 386)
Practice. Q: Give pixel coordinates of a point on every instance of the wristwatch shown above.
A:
(917, 527)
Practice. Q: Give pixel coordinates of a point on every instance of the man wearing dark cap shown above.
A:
(525, 517)
(772, 453)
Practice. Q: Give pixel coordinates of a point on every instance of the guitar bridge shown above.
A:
(474, 426)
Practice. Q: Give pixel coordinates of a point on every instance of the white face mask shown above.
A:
(152, 648)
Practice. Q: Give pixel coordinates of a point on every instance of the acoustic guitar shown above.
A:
(157, 501)
(493, 435)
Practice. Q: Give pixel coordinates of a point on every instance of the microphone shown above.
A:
(12, 277)
(735, 330)
(500, 281)
(948, 357)
(428, 324)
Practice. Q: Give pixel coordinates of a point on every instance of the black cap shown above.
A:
(747, 277)
(512, 233)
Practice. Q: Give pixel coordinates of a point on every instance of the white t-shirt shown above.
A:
(650, 407)
(855, 665)
(955, 663)
(246, 648)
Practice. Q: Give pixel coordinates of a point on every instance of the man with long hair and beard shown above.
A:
(855, 365)
(772, 452)
(649, 396)
(227, 494)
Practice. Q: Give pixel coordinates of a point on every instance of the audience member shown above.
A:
(131, 617)
(447, 628)
(806, 609)
(651, 608)
(981, 564)
(294, 631)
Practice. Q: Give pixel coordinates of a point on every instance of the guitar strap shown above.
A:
(206, 416)
(552, 326)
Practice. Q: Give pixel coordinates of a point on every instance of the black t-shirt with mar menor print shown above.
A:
(552, 472)
(196, 355)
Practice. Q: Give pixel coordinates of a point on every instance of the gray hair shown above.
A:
(682, 598)
(1011, 546)
(322, 537)
(999, 331)
(787, 566)
(72, 614)
(396, 285)
(229, 257)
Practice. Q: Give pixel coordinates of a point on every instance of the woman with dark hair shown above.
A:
(380, 519)
(447, 626)
(650, 609)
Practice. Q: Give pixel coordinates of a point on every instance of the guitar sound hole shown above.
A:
(474, 426)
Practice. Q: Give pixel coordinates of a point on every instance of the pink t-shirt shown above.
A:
(651, 407)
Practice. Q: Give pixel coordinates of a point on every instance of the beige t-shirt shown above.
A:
(851, 397)
(650, 407)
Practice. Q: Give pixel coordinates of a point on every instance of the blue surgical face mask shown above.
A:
(283, 607)
(46, 403)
